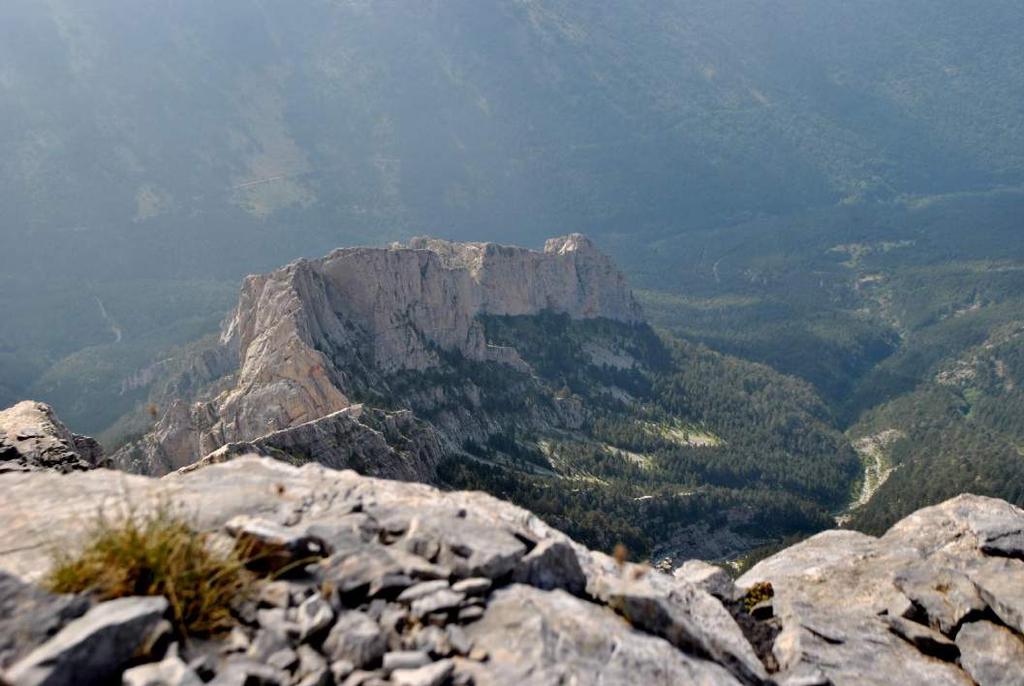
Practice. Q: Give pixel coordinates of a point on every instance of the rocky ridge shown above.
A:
(314, 335)
(412, 585)
(32, 438)
(388, 444)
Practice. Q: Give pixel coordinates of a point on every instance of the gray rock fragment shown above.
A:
(945, 595)
(551, 637)
(433, 640)
(355, 638)
(686, 616)
(33, 438)
(241, 671)
(802, 675)
(405, 659)
(474, 586)
(438, 601)
(854, 649)
(266, 642)
(275, 594)
(237, 641)
(272, 546)
(926, 640)
(393, 621)
(29, 616)
(991, 654)
(362, 677)
(710, 578)
(1001, 585)
(341, 669)
(366, 569)
(285, 659)
(429, 675)
(467, 545)
(310, 661)
(552, 564)
(470, 614)
(171, 671)
(458, 640)
(94, 648)
(424, 588)
(314, 617)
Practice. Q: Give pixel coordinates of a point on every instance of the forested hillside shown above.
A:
(156, 152)
(830, 189)
(906, 318)
(680, 441)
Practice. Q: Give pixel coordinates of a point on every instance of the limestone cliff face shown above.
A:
(315, 333)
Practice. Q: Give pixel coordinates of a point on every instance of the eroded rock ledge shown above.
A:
(418, 586)
(32, 437)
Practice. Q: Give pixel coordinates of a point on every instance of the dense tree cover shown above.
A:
(963, 432)
(830, 296)
(619, 512)
(676, 435)
(872, 305)
(775, 430)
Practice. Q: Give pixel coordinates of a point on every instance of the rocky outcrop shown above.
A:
(31, 437)
(405, 584)
(29, 616)
(857, 609)
(391, 445)
(96, 647)
(316, 334)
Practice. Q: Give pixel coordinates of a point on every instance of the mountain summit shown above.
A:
(312, 337)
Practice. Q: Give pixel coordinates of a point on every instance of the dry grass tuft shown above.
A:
(758, 593)
(159, 553)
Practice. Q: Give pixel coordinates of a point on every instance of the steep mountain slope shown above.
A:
(166, 143)
(529, 374)
(315, 335)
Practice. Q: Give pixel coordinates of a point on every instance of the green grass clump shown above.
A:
(159, 553)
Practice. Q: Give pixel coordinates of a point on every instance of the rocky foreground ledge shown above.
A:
(33, 438)
(419, 587)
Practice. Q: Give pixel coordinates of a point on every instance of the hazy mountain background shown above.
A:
(832, 188)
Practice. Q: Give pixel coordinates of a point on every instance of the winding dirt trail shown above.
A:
(876, 469)
(114, 328)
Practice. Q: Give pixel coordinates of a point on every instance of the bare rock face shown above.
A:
(307, 332)
(317, 333)
(96, 647)
(917, 602)
(30, 616)
(31, 437)
(409, 584)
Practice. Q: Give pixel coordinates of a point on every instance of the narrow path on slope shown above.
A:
(110, 321)
(877, 469)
